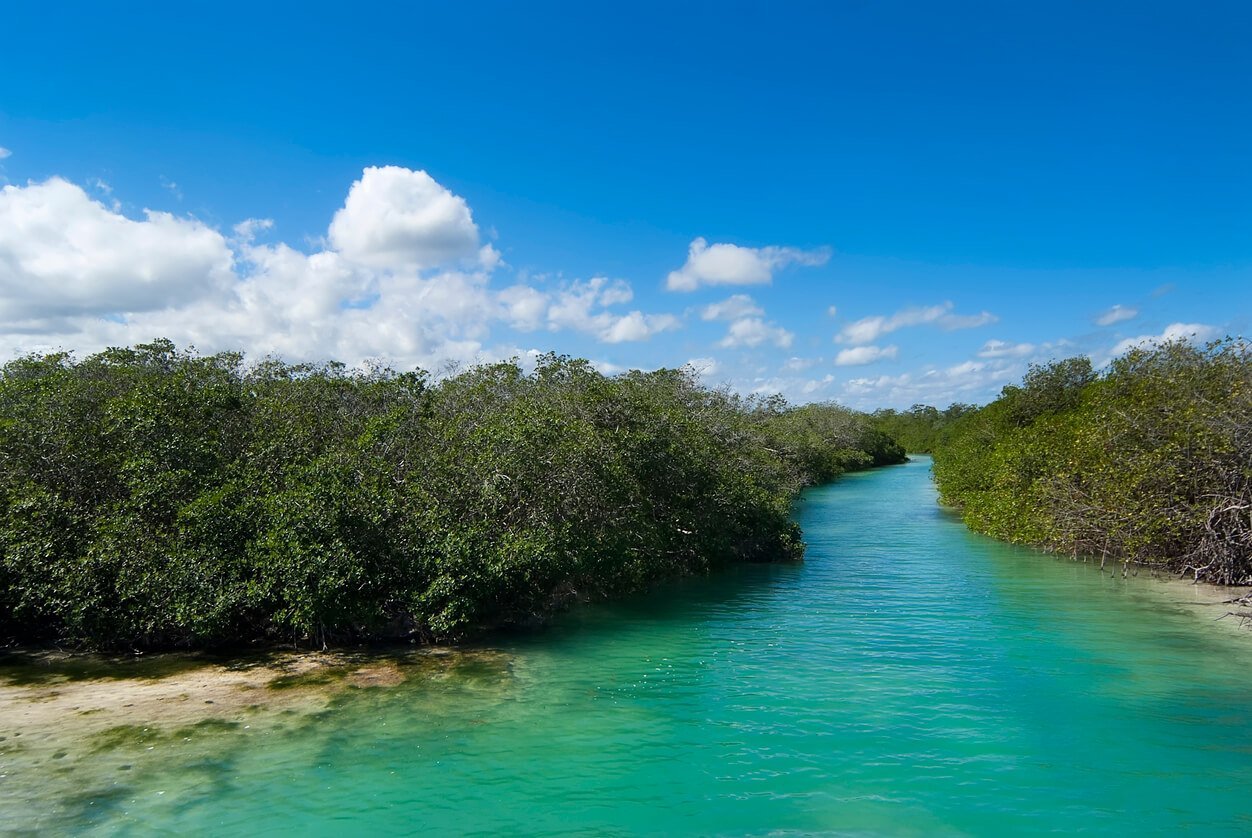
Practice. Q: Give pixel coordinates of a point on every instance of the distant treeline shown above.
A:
(151, 497)
(1147, 462)
(919, 428)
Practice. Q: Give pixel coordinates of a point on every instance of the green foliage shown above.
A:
(152, 497)
(919, 428)
(1150, 462)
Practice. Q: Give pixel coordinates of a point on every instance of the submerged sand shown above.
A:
(1228, 608)
(72, 726)
(48, 695)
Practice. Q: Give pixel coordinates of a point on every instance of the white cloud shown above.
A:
(606, 367)
(582, 306)
(415, 291)
(832, 311)
(792, 387)
(64, 254)
(753, 331)
(971, 380)
(704, 367)
(1117, 314)
(4, 152)
(249, 228)
(526, 308)
(731, 264)
(870, 329)
(814, 385)
(1174, 331)
(401, 219)
(953, 322)
(861, 355)
(1002, 349)
(869, 385)
(732, 308)
(800, 364)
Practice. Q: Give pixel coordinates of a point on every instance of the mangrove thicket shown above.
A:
(1148, 461)
(155, 497)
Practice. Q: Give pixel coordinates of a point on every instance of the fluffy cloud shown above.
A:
(402, 276)
(583, 306)
(870, 329)
(970, 380)
(1172, 332)
(753, 332)
(731, 264)
(732, 308)
(64, 254)
(401, 219)
(861, 355)
(4, 152)
(525, 308)
(1117, 314)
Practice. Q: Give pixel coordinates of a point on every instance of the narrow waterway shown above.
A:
(908, 678)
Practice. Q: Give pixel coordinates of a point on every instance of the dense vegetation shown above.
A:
(1148, 462)
(153, 497)
(919, 428)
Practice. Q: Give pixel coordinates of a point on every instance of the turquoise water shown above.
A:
(908, 678)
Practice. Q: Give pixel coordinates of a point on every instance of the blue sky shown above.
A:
(878, 203)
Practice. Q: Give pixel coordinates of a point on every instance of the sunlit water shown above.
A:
(908, 678)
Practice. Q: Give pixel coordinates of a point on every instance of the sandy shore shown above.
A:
(47, 695)
(48, 698)
(1217, 604)
(70, 723)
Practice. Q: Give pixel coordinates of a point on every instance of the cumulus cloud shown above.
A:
(400, 276)
(861, 355)
(870, 329)
(732, 308)
(1117, 314)
(970, 380)
(731, 264)
(396, 218)
(583, 306)
(63, 253)
(792, 387)
(753, 332)
(525, 308)
(1174, 331)
(4, 152)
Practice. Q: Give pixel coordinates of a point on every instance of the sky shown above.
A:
(876, 203)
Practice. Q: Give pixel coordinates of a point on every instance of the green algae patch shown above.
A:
(41, 669)
(314, 678)
(122, 736)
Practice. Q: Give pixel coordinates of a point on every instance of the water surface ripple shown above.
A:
(908, 678)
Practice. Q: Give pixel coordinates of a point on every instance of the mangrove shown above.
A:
(155, 497)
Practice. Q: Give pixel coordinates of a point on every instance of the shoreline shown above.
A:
(1218, 604)
(75, 724)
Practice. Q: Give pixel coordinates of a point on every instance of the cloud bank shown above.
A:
(402, 274)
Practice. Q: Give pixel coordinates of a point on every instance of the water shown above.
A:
(908, 678)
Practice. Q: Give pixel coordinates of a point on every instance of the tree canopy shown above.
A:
(151, 496)
(1149, 461)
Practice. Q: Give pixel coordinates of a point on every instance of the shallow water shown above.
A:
(908, 678)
